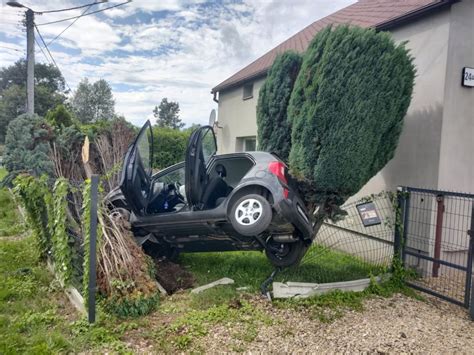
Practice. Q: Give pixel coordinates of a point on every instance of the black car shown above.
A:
(210, 202)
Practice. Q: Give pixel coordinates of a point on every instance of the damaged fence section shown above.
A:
(90, 248)
(348, 249)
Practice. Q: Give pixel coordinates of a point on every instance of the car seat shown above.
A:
(216, 189)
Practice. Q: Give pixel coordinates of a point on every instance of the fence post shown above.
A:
(438, 233)
(399, 220)
(92, 246)
(470, 262)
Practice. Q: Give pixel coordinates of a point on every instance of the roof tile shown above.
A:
(365, 13)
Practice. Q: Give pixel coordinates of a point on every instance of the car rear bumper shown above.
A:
(292, 209)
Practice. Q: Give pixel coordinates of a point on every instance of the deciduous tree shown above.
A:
(93, 102)
(49, 91)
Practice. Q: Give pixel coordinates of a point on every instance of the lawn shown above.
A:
(10, 221)
(250, 269)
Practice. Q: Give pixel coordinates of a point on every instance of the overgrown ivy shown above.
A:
(62, 251)
(86, 222)
(34, 194)
(47, 217)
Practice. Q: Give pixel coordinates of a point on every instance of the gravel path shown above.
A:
(394, 325)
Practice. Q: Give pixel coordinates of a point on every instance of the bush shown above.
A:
(169, 146)
(274, 130)
(59, 117)
(27, 145)
(347, 109)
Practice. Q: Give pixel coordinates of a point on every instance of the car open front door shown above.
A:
(201, 147)
(136, 172)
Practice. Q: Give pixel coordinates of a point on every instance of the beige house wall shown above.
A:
(436, 148)
(237, 117)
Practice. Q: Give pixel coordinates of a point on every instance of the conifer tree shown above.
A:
(347, 110)
(274, 130)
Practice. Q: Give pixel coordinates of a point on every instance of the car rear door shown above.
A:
(135, 181)
(201, 148)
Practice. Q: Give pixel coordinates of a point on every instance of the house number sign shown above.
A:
(468, 77)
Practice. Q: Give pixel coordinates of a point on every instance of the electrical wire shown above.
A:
(52, 58)
(13, 49)
(71, 8)
(72, 23)
(90, 13)
(42, 51)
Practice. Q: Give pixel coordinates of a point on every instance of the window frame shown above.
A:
(249, 95)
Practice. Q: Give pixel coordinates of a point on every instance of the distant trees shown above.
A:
(93, 102)
(49, 91)
(167, 114)
(274, 131)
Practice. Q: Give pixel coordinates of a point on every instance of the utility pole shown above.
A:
(30, 62)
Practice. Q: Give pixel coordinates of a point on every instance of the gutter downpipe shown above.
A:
(215, 98)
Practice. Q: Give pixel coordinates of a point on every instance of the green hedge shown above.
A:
(169, 146)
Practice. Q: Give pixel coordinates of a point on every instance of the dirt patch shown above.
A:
(173, 277)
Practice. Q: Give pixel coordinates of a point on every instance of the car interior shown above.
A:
(224, 174)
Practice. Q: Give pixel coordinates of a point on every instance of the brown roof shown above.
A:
(380, 14)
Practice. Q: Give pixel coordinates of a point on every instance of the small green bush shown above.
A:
(274, 130)
(27, 145)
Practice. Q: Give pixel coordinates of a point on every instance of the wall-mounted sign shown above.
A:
(368, 214)
(468, 77)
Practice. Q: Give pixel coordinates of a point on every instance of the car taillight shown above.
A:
(277, 168)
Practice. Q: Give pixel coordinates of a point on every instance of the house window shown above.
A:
(248, 91)
(246, 144)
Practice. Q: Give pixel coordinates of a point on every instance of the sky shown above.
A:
(148, 50)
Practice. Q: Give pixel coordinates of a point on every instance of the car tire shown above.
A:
(285, 254)
(251, 215)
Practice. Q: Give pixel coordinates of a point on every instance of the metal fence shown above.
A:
(438, 242)
(348, 249)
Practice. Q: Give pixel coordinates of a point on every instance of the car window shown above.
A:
(175, 175)
(208, 145)
(143, 148)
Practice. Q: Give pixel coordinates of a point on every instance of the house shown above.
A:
(436, 149)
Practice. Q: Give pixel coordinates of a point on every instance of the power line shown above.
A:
(90, 13)
(71, 8)
(13, 49)
(52, 58)
(42, 51)
(72, 23)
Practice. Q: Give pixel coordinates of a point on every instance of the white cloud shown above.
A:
(180, 53)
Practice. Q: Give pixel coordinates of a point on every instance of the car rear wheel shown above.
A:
(285, 254)
(251, 215)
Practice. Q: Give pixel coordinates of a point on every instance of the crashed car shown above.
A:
(211, 202)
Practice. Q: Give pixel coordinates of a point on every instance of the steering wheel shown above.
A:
(177, 186)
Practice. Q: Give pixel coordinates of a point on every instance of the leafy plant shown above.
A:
(33, 194)
(62, 250)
